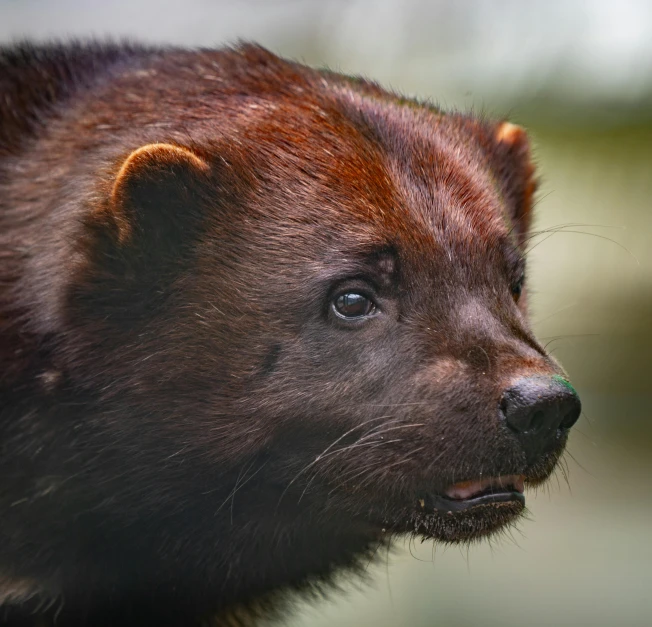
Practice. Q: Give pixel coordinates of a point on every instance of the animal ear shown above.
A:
(144, 231)
(515, 171)
(151, 194)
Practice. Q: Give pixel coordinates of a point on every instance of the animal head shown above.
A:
(330, 280)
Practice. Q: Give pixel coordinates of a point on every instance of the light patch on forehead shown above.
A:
(447, 182)
(451, 213)
(464, 214)
(386, 266)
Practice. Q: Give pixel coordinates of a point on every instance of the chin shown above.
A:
(473, 509)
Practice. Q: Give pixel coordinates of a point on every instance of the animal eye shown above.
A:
(517, 288)
(353, 305)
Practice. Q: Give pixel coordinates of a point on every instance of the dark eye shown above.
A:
(517, 288)
(353, 305)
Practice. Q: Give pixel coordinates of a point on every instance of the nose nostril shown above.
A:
(570, 419)
(535, 408)
(539, 411)
(538, 418)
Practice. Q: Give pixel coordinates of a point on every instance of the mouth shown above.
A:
(493, 490)
(466, 511)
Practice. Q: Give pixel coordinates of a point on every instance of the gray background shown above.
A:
(578, 74)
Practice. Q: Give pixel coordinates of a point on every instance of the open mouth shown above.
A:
(468, 494)
(467, 510)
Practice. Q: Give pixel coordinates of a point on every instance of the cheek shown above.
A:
(334, 373)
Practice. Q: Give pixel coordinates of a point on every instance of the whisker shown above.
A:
(408, 426)
(372, 475)
(328, 448)
(585, 435)
(239, 487)
(356, 472)
(237, 481)
(563, 467)
(373, 555)
(362, 441)
(373, 444)
(566, 225)
(540, 320)
(604, 237)
(588, 472)
(566, 337)
(560, 228)
(394, 404)
(589, 421)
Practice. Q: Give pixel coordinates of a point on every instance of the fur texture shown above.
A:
(187, 426)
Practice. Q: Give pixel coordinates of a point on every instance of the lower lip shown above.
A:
(494, 499)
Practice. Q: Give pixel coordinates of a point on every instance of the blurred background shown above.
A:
(578, 74)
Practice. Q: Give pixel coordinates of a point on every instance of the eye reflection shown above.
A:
(353, 305)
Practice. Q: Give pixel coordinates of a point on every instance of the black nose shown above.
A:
(537, 408)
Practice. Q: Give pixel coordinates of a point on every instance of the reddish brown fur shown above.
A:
(190, 426)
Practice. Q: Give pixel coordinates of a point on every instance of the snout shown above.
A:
(537, 410)
(537, 413)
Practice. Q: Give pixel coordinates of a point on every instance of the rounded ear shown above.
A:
(510, 134)
(143, 234)
(514, 169)
(151, 191)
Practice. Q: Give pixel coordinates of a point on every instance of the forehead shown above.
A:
(376, 173)
(440, 175)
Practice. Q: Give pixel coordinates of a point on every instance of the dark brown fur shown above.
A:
(185, 426)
